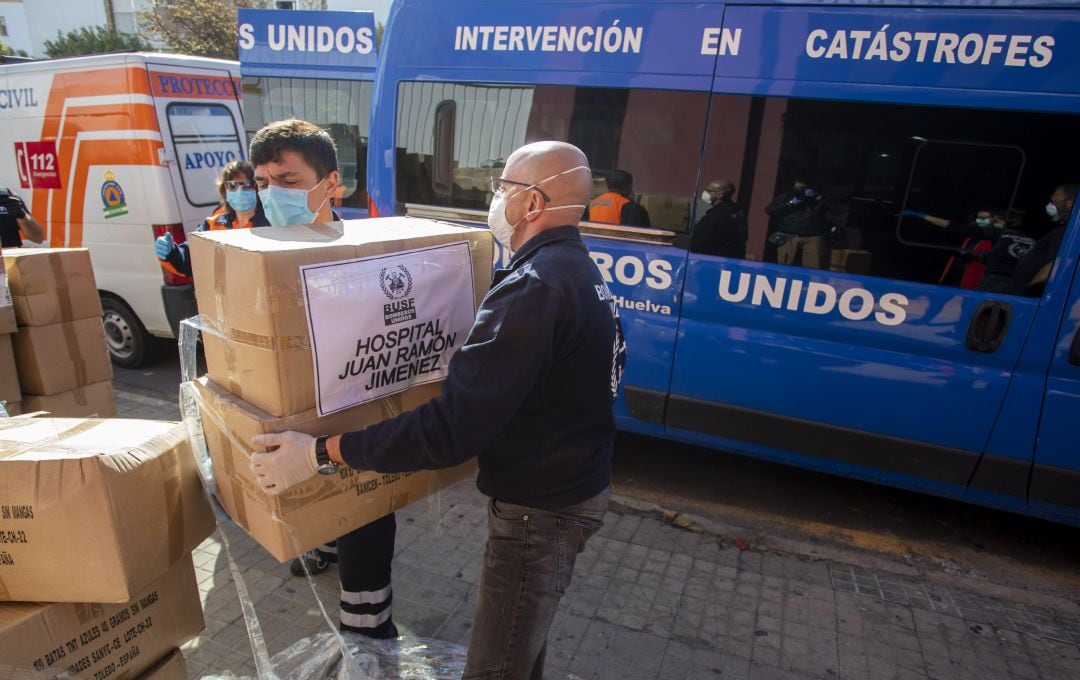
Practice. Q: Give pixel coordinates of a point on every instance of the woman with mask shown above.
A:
(239, 209)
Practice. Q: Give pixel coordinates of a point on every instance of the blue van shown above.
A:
(318, 66)
(892, 168)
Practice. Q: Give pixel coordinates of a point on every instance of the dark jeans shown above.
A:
(527, 567)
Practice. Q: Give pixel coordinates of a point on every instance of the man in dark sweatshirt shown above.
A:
(530, 394)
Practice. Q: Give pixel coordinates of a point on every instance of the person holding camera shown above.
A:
(800, 227)
(16, 222)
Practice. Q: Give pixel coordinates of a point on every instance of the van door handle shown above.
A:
(988, 326)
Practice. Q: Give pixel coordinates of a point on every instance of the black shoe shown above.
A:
(316, 561)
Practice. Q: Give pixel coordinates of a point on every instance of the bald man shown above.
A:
(529, 394)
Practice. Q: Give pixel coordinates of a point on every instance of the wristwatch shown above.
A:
(323, 464)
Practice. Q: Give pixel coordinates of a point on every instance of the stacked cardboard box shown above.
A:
(99, 518)
(60, 351)
(261, 377)
(10, 396)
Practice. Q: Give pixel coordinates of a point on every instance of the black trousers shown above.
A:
(364, 558)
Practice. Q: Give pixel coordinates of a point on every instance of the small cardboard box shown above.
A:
(9, 377)
(172, 667)
(323, 508)
(7, 306)
(89, 401)
(62, 356)
(850, 261)
(95, 510)
(103, 640)
(51, 285)
(249, 291)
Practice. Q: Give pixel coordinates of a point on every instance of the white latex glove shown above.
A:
(291, 463)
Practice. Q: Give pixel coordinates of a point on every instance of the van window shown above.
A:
(205, 139)
(875, 171)
(341, 107)
(650, 138)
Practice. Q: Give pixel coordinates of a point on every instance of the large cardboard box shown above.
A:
(62, 356)
(322, 508)
(9, 377)
(95, 510)
(248, 287)
(51, 285)
(7, 307)
(89, 401)
(172, 667)
(102, 640)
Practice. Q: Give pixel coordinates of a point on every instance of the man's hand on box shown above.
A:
(292, 462)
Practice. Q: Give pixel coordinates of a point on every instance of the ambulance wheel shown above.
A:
(129, 344)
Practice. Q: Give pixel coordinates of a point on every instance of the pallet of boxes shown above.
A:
(325, 329)
(98, 518)
(59, 350)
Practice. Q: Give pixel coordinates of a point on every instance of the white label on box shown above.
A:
(382, 324)
(5, 294)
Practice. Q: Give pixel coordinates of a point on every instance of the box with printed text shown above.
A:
(95, 510)
(364, 304)
(123, 640)
(322, 508)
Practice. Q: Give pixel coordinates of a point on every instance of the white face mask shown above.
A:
(1052, 211)
(706, 196)
(501, 228)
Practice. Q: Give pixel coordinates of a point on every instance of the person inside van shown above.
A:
(722, 230)
(617, 204)
(799, 235)
(16, 221)
(1033, 270)
(239, 209)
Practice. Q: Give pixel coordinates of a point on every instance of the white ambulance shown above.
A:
(109, 152)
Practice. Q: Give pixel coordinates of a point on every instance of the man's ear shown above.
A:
(333, 179)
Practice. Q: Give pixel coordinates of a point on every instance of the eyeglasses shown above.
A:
(499, 187)
(234, 184)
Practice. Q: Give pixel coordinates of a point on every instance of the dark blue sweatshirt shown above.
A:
(529, 393)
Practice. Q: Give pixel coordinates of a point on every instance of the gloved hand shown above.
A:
(797, 199)
(164, 245)
(810, 193)
(292, 462)
(911, 213)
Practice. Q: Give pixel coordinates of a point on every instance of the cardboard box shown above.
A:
(51, 285)
(322, 508)
(95, 510)
(850, 261)
(248, 287)
(172, 667)
(89, 401)
(102, 640)
(666, 212)
(7, 306)
(9, 377)
(62, 356)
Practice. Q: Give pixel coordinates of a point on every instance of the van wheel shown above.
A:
(129, 344)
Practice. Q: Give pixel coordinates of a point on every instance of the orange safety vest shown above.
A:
(218, 221)
(607, 208)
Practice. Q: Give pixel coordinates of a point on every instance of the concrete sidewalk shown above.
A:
(656, 595)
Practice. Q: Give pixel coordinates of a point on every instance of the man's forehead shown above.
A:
(288, 163)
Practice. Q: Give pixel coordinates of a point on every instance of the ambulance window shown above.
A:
(205, 140)
(341, 107)
(878, 173)
(643, 145)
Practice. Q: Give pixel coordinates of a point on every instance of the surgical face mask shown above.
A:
(288, 206)
(501, 229)
(241, 200)
(982, 221)
(1052, 211)
(706, 196)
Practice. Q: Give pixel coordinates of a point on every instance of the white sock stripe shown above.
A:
(365, 620)
(366, 596)
(331, 549)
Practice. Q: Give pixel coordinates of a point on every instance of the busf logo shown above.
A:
(396, 283)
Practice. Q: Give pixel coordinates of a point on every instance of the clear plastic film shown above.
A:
(319, 658)
(331, 649)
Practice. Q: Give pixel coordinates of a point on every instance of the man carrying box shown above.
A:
(530, 394)
(296, 171)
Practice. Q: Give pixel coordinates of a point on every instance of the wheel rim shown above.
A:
(118, 335)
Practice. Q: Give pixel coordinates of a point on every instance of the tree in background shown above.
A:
(6, 51)
(95, 40)
(205, 28)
